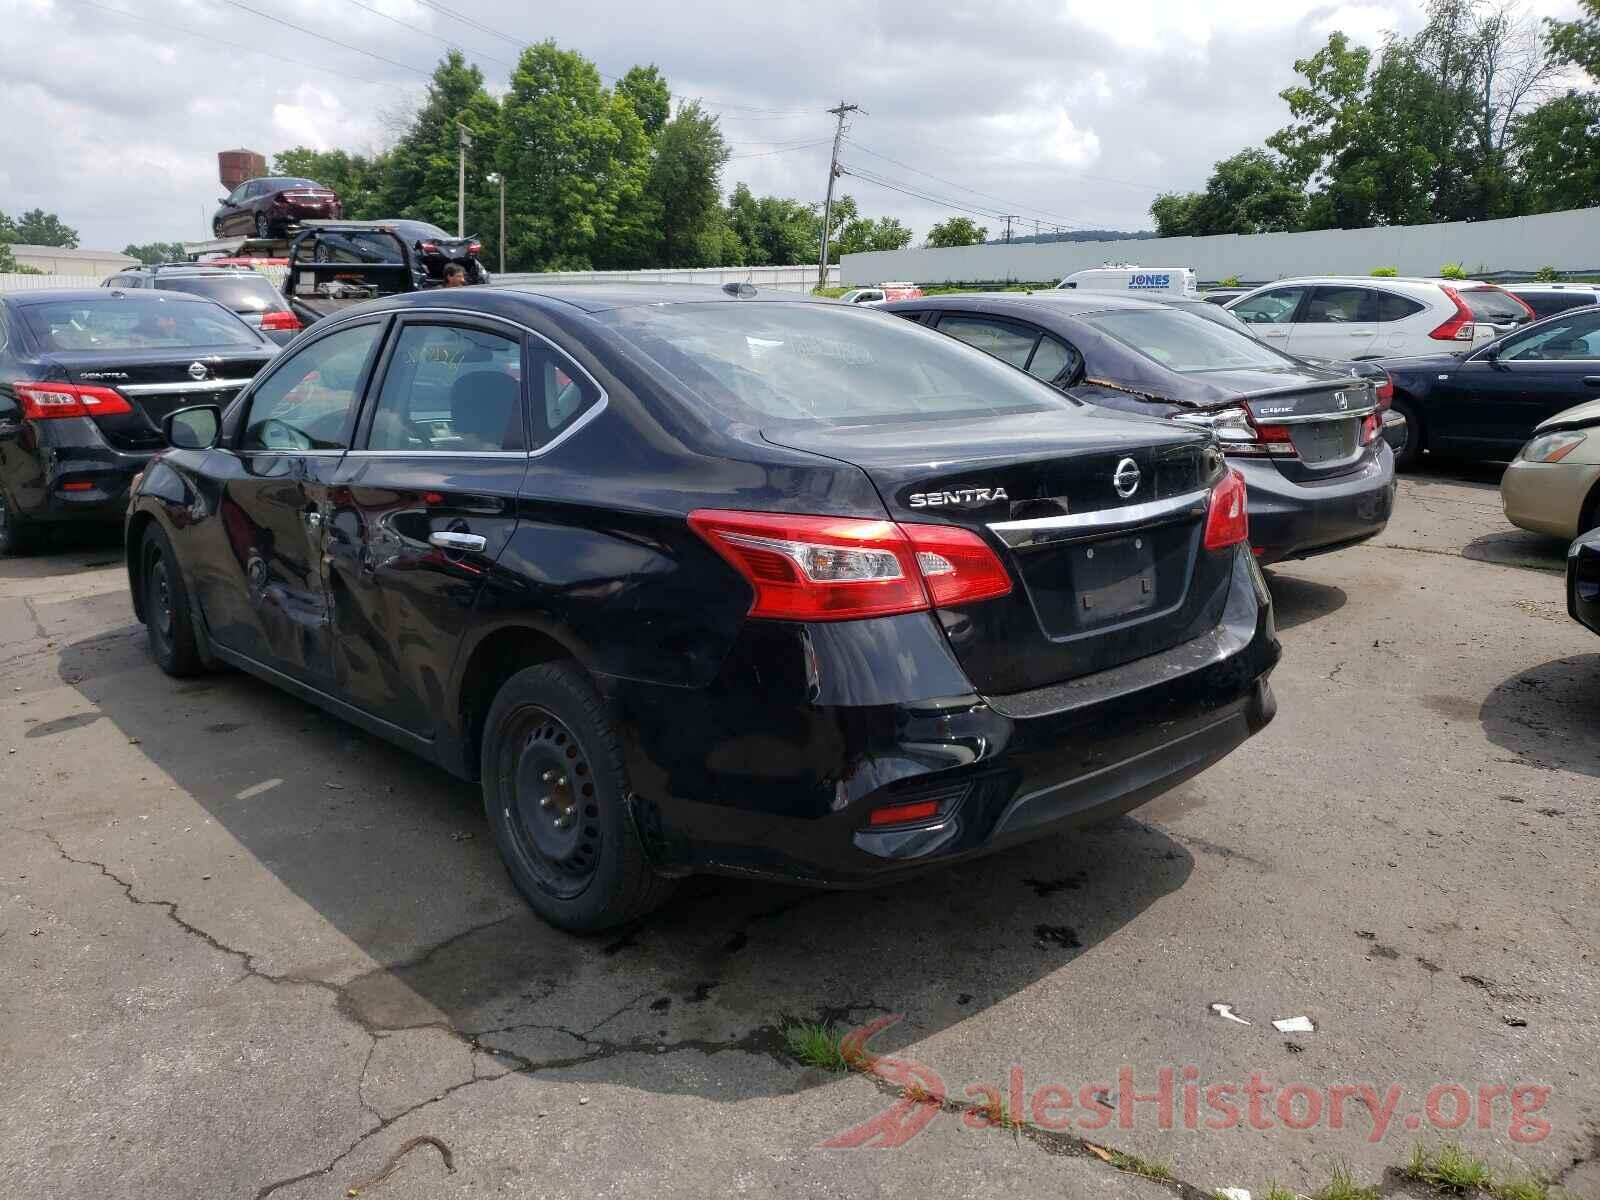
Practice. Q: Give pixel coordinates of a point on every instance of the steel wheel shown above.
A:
(551, 811)
(263, 228)
(159, 597)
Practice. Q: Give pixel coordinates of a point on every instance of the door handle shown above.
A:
(1591, 381)
(447, 540)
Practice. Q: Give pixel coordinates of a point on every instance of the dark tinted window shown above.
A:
(1396, 308)
(1547, 304)
(128, 324)
(306, 403)
(1341, 305)
(1493, 305)
(450, 388)
(1276, 307)
(241, 291)
(277, 184)
(823, 364)
(1054, 360)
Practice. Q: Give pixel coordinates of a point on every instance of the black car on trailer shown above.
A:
(698, 580)
(86, 377)
(1307, 439)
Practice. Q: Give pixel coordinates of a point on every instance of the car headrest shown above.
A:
(486, 411)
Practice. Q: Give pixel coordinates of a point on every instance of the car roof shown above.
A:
(128, 295)
(598, 297)
(1377, 281)
(1540, 286)
(1061, 300)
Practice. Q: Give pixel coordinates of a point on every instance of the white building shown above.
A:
(58, 260)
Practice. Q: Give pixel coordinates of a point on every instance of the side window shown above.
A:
(1341, 306)
(5, 333)
(1053, 360)
(561, 394)
(1396, 308)
(1573, 337)
(450, 388)
(306, 403)
(1012, 343)
(1276, 307)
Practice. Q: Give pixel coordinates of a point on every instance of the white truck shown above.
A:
(1166, 282)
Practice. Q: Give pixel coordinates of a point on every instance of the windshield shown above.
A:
(242, 292)
(1494, 306)
(1186, 343)
(825, 364)
(112, 324)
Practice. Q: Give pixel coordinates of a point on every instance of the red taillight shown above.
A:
(1384, 392)
(1227, 523)
(806, 568)
(474, 249)
(77, 485)
(47, 401)
(281, 320)
(900, 814)
(1371, 427)
(1459, 327)
(428, 247)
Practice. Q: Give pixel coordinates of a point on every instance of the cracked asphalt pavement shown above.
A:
(246, 950)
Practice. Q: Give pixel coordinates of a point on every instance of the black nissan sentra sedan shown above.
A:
(85, 379)
(695, 580)
(1308, 439)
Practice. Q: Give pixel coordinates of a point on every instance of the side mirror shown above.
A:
(193, 428)
(222, 199)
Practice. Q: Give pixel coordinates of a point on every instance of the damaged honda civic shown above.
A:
(706, 580)
(1309, 440)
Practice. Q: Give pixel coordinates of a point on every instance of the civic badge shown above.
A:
(197, 371)
(1126, 478)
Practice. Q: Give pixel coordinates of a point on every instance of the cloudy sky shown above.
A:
(1073, 112)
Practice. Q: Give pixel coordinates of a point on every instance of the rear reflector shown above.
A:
(806, 568)
(1227, 523)
(77, 485)
(281, 320)
(1459, 327)
(47, 401)
(901, 814)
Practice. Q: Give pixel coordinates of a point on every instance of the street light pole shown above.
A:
(463, 140)
(502, 222)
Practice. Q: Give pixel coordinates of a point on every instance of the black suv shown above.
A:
(85, 380)
(700, 580)
(244, 291)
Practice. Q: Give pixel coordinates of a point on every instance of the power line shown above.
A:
(1052, 217)
(429, 33)
(1070, 174)
(207, 37)
(325, 38)
(785, 150)
(941, 201)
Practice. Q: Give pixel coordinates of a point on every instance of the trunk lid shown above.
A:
(1324, 424)
(157, 382)
(1104, 570)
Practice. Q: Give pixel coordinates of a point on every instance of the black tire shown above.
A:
(17, 534)
(1406, 456)
(263, 226)
(549, 754)
(167, 619)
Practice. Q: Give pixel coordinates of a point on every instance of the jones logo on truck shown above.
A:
(1153, 283)
(960, 496)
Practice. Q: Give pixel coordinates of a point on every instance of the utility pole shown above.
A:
(502, 222)
(1009, 218)
(833, 173)
(463, 140)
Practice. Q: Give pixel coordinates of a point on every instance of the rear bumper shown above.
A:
(73, 451)
(774, 769)
(1547, 497)
(1583, 581)
(1297, 520)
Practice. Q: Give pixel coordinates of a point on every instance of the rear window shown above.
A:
(112, 324)
(824, 364)
(241, 292)
(1491, 304)
(1186, 343)
(291, 183)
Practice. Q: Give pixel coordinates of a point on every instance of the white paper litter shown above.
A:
(1294, 1025)
(1225, 1011)
(1233, 1193)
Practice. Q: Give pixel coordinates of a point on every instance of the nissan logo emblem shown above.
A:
(1126, 478)
(197, 371)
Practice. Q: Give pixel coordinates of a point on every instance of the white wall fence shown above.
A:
(783, 279)
(28, 283)
(1568, 241)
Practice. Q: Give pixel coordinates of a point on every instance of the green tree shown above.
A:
(646, 89)
(772, 230)
(8, 229)
(419, 179)
(155, 252)
(1558, 152)
(39, 228)
(683, 191)
(576, 161)
(1578, 42)
(1252, 192)
(359, 179)
(862, 234)
(957, 231)
(1174, 213)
